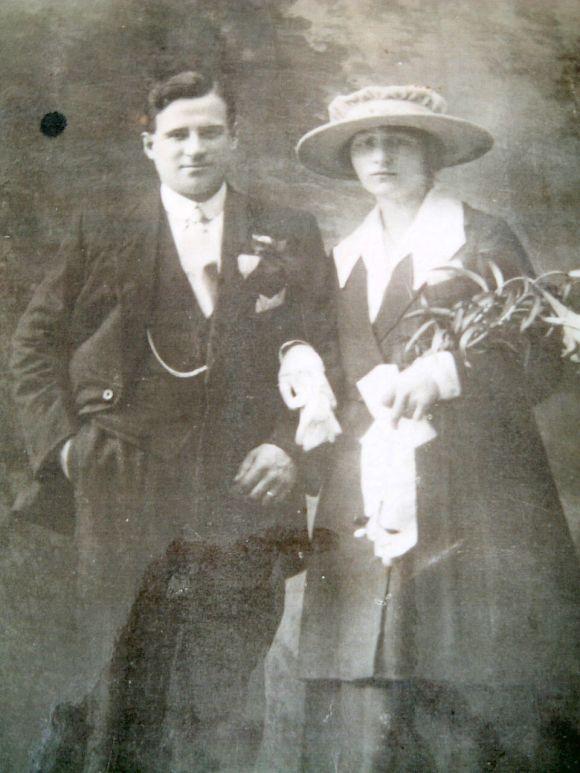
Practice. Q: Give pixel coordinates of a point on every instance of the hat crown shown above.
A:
(373, 100)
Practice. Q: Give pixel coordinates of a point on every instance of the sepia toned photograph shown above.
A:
(290, 367)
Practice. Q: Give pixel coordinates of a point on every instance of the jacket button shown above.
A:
(108, 395)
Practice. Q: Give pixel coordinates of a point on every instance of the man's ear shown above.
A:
(147, 139)
(233, 130)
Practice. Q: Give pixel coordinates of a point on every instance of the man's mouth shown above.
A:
(384, 173)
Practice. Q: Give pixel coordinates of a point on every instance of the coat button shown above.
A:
(108, 395)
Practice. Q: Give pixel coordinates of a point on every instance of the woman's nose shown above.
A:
(383, 154)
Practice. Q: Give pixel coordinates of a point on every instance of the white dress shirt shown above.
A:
(197, 230)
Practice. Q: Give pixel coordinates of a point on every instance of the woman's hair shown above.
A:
(434, 150)
(187, 85)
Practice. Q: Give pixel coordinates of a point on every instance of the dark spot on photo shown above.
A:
(53, 124)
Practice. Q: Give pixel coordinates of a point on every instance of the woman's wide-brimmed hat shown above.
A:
(325, 149)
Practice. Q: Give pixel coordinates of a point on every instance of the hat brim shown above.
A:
(323, 149)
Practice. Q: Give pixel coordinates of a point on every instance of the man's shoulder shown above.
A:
(106, 225)
(263, 209)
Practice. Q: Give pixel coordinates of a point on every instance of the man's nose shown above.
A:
(194, 145)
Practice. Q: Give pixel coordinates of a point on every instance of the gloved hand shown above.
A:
(304, 386)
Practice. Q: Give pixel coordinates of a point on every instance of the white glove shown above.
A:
(304, 386)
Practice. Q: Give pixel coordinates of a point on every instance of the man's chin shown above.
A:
(200, 191)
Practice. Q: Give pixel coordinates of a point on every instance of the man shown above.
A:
(146, 375)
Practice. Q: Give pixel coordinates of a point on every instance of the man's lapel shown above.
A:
(136, 270)
(231, 294)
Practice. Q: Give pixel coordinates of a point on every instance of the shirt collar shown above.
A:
(435, 235)
(181, 207)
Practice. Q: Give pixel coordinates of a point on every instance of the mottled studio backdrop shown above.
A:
(511, 65)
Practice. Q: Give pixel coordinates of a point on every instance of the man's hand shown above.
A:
(266, 475)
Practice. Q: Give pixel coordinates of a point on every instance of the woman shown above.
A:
(453, 652)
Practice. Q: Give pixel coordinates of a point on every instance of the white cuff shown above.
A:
(287, 345)
(443, 370)
(299, 357)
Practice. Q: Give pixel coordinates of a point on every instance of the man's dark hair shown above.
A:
(186, 85)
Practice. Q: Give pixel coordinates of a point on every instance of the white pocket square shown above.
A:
(267, 304)
(247, 264)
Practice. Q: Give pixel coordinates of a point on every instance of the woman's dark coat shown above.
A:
(488, 596)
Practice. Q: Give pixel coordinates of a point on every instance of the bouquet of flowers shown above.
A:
(500, 313)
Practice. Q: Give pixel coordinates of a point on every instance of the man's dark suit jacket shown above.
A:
(80, 344)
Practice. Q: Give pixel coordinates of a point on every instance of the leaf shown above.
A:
(417, 313)
(525, 281)
(440, 312)
(458, 319)
(556, 305)
(497, 274)
(471, 316)
(533, 315)
(485, 300)
(440, 338)
(465, 339)
(418, 333)
(467, 274)
(508, 307)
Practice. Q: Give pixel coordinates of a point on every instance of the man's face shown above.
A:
(390, 162)
(192, 145)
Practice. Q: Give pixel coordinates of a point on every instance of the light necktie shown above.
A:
(203, 274)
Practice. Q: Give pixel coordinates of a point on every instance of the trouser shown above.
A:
(168, 636)
(203, 621)
(423, 726)
(130, 506)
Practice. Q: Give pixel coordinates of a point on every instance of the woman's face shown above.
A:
(391, 162)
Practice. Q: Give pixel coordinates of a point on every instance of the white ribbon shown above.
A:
(388, 471)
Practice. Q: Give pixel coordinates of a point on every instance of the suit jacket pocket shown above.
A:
(263, 303)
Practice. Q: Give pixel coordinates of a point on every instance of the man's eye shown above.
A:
(177, 135)
(211, 133)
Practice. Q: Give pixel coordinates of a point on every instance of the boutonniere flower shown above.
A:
(266, 267)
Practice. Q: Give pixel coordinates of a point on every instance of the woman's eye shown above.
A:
(364, 144)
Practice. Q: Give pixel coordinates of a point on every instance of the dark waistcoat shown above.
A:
(163, 408)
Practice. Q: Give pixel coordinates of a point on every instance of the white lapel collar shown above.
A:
(366, 242)
(435, 236)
